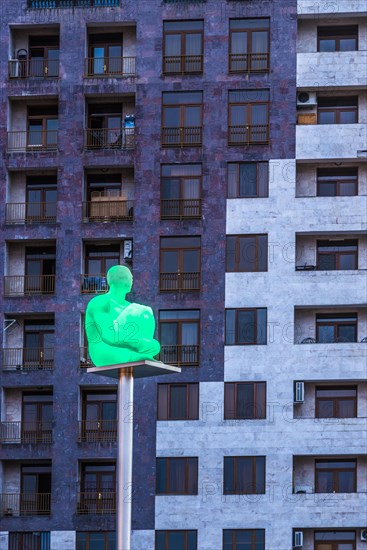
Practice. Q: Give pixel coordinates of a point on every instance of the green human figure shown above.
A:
(119, 331)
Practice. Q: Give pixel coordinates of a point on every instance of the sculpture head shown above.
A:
(120, 278)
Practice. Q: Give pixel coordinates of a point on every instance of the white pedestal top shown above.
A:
(139, 369)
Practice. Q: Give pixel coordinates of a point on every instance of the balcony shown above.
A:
(52, 4)
(330, 141)
(33, 68)
(105, 138)
(25, 504)
(180, 355)
(26, 432)
(30, 212)
(180, 209)
(182, 137)
(93, 431)
(249, 63)
(331, 69)
(35, 141)
(26, 285)
(116, 67)
(179, 282)
(94, 502)
(27, 359)
(104, 209)
(182, 64)
(92, 284)
(248, 135)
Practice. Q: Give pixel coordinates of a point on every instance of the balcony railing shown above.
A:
(21, 285)
(85, 360)
(180, 355)
(27, 359)
(97, 431)
(30, 212)
(44, 4)
(104, 138)
(249, 63)
(180, 209)
(90, 284)
(33, 68)
(25, 504)
(189, 136)
(26, 432)
(256, 134)
(102, 209)
(94, 502)
(111, 66)
(179, 282)
(33, 141)
(183, 64)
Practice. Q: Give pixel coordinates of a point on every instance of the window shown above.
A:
(39, 340)
(97, 540)
(243, 539)
(337, 110)
(174, 540)
(178, 401)
(336, 476)
(336, 401)
(336, 328)
(181, 191)
(98, 260)
(183, 47)
(36, 540)
(105, 127)
(248, 179)
(335, 540)
(247, 253)
(244, 400)
(177, 476)
(42, 127)
(339, 182)
(43, 56)
(40, 267)
(244, 475)
(98, 486)
(109, 197)
(337, 255)
(35, 490)
(179, 337)
(180, 264)
(248, 117)
(41, 199)
(249, 45)
(105, 55)
(99, 416)
(182, 119)
(337, 39)
(246, 326)
(37, 417)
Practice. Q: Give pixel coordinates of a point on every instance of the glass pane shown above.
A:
(53, 62)
(230, 326)
(346, 482)
(262, 253)
(259, 42)
(260, 474)
(96, 541)
(259, 114)
(325, 482)
(327, 45)
(326, 189)
(326, 409)
(248, 180)
(348, 117)
(239, 45)
(171, 189)
(108, 412)
(326, 117)
(348, 44)
(191, 540)
(160, 540)
(326, 334)
(327, 262)
(170, 261)
(231, 253)
(177, 469)
(347, 333)
(246, 327)
(347, 189)
(35, 133)
(347, 261)
(189, 336)
(346, 408)
(191, 261)
(245, 475)
(176, 540)
(30, 484)
(238, 115)
(178, 402)
(171, 117)
(98, 60)
(168, 334)
(245, 401)
(228, 474)
(247, 254)
(261, 326)
(172, 45)
(192, 116)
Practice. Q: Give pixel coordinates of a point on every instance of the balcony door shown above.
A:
(37, 418)
(39, 340)
(40, 267)
(44, 56)
(98, 488)
(179, 337)
(43, 127)
(100, 413)
(41, 199)
(35, 490)
(105, 54)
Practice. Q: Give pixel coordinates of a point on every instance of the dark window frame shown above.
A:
(253, 532)
(231, 408)
(88, 541)
(336, 400)
(258, 168)
(184, 531)
(338, 253)
(333, 542)
(335, 471)
(253, 489)
(332, 105)
(236, 343)
(183, 138)
(337, 32)
(192, 393)
(185, 460)
(237, 253)
(180, 250)
(186, 210)
(183, 56)
(335, 177)
(248, 124)
(19, 540)
(180, 321)
(324, 319)
(249, 53)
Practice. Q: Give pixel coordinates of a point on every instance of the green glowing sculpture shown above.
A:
(119, 331)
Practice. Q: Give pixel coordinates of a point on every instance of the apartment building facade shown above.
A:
(218, 149)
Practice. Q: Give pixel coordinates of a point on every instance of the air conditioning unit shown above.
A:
(364, 535)
(306, 100)
(128, 250)
(303, 489)
(298, 539)
(299, 392)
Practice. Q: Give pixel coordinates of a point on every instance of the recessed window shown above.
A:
(180, 264)
(246, 326)
(336, 328)
(91, 540)
(98, 488)
(178, 401)
(248, 122)
(99, 422)
(249, 45)
(244, 475)
(336, 401)
(244, 400)
(335, 540)
(183, 47)
(243, 539)
(337, 110)
(179, 336)
(174, 540)
(336, 476)
(337, 255)
(177, 476)
(337, 39)
(247, 253)
(339, 182)
(248, 179)
(181, 191)
(35, 540)
(105, 55)
(182, 119)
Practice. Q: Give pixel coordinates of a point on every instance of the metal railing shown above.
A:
(249, 63)
(51, 4)
(45, 140)
(25, 504)
(26, 432)
(95, 502)
(183, 64)
(106, 209)
(255, 134)
(97, 431)
(90, 284)
(105, 138)
(20, 285)
(179, 282)
(180, 209)
(33, 68)
(30, 212)
(189, 136)
(110, 66)
(180, 355)
(85, 360)
(27, 359)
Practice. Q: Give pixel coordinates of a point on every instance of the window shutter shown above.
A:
(193, 409)
(162, 401)
(229, 401)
